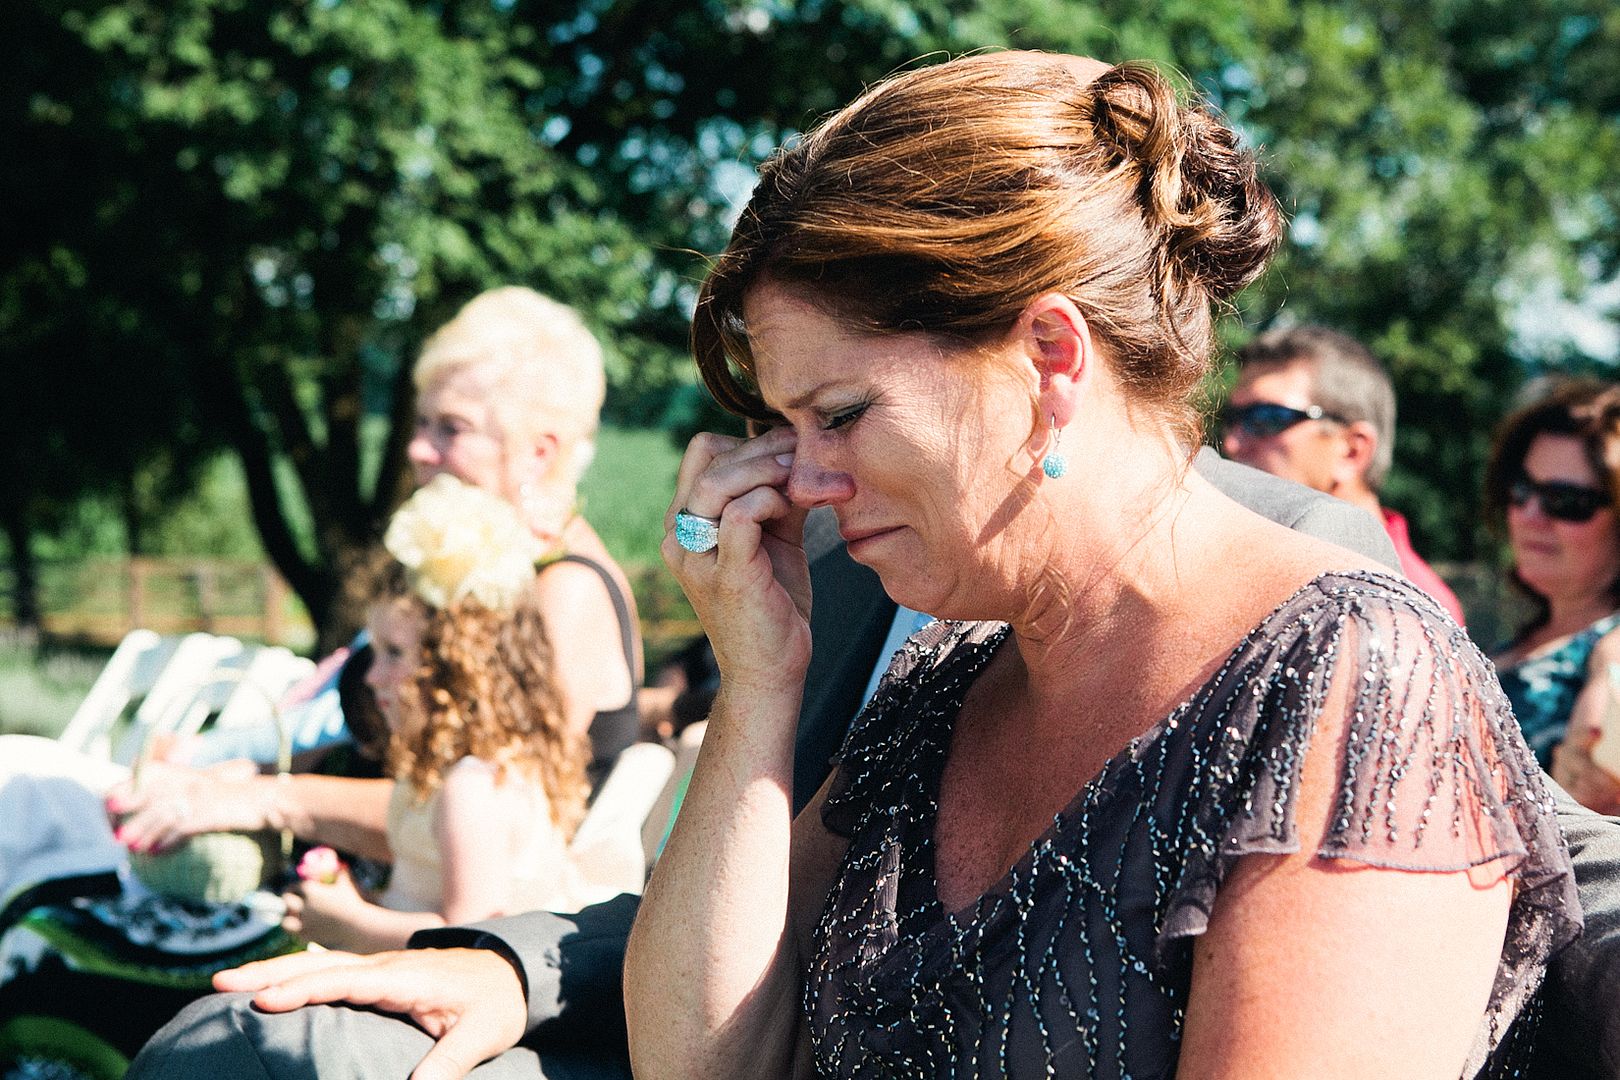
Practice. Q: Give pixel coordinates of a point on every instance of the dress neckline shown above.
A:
(1558, 644)
(1096, 790)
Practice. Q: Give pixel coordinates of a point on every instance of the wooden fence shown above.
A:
(98, 601)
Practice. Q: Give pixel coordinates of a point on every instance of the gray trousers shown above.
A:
(224, 1036)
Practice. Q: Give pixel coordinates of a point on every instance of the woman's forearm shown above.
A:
(714, 920)
(373, 929)
(340, 811)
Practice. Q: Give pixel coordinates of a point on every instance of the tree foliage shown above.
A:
(236, 219)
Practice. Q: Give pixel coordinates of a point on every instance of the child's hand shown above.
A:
(329, 914)
(320, 864)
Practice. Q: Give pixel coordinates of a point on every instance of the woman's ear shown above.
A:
(541, 456)
(1057, 341)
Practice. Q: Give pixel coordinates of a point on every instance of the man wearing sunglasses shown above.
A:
(1313, 406)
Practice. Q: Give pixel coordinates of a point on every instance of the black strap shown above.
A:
(621, 608)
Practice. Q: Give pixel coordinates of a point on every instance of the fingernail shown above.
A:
(784, 459)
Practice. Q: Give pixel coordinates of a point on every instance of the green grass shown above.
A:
(625, 494)
(627, 490)
(40, 689)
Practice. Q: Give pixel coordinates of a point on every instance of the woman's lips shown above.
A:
(862, 537)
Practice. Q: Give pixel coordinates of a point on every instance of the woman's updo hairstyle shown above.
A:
(943, 200)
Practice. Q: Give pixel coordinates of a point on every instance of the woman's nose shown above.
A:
(420, 450)
(811, 484)
(1530, 510)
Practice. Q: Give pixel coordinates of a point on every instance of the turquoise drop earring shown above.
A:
(1054, 464)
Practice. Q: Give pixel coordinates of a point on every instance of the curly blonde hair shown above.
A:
(484, 689)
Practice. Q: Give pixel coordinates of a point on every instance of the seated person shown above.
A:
(509, 399)
(489, 783)
(488, 778)
(1550, 486)
(469, 1000)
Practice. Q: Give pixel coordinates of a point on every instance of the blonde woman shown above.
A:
(509, 396)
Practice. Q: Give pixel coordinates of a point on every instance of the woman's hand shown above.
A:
(328, 913)
(170, 803)
(1573, 765)
(1589, 783)
(752, 593)
(470, 1000)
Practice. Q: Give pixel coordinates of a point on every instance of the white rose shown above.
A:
(460, 541)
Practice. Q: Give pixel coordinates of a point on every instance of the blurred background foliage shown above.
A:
(231, 222)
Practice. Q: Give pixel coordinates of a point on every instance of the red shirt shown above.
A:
(1417, 571)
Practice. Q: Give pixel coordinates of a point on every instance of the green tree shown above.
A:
(257, 209)
(1438, 159)
(288, 197)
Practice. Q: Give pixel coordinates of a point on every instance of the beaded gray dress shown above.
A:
(1078, 963)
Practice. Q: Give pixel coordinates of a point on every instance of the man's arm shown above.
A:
(571, 966)
(1580, 1028)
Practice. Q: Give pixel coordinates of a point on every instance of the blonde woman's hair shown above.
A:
(544, 365)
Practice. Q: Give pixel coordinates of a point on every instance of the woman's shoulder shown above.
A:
(1606, 646)
(584, 578)
(1333, 599)
(475, 788)
(572, 576)
(1597, 642)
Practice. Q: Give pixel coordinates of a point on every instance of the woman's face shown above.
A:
(459, 432)
(911, 447)
(396, 645)
(1563, 558)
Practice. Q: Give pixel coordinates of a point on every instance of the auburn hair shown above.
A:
(944, 199)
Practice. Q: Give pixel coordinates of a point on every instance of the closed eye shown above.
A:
(838, 420)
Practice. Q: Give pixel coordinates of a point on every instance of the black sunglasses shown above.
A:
(1559, 501)
(1263, 419)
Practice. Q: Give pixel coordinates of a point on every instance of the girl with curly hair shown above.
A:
(489, 777)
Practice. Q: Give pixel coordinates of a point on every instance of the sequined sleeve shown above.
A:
(1433, 773)
(871, 767)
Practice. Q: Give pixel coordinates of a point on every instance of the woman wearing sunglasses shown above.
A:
(1552, 481)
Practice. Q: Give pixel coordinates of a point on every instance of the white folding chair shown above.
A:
(129, 675)
(607, 846)
(269, 673)
(172, 695)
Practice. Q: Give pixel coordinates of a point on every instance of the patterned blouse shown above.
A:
(1543, 686)
(1078, 963)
